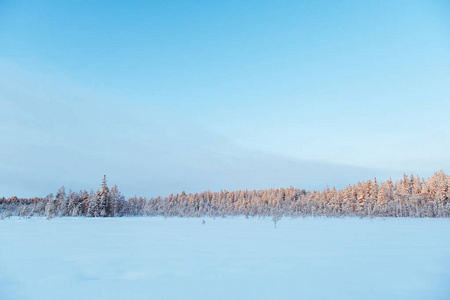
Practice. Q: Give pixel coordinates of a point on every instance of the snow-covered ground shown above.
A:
(232, 258)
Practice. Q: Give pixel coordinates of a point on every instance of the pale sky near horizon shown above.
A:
(166, 96)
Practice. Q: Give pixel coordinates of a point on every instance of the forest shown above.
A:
(409, 197)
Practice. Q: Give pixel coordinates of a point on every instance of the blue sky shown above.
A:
(165, 96)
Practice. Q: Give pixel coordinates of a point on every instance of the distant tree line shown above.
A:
(408, 197)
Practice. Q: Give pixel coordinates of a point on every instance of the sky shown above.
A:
(171, 96)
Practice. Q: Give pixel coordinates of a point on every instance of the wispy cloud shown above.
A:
(56, 133)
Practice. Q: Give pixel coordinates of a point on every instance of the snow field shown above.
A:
(231, 258)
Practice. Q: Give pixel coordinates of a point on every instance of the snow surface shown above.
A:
(232, 258)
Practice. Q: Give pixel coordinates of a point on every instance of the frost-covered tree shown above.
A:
(408, 197)
(50, 207)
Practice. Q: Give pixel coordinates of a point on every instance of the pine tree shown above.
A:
(405, 185)
(50, 207)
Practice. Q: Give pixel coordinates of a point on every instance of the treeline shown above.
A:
(409, 197)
